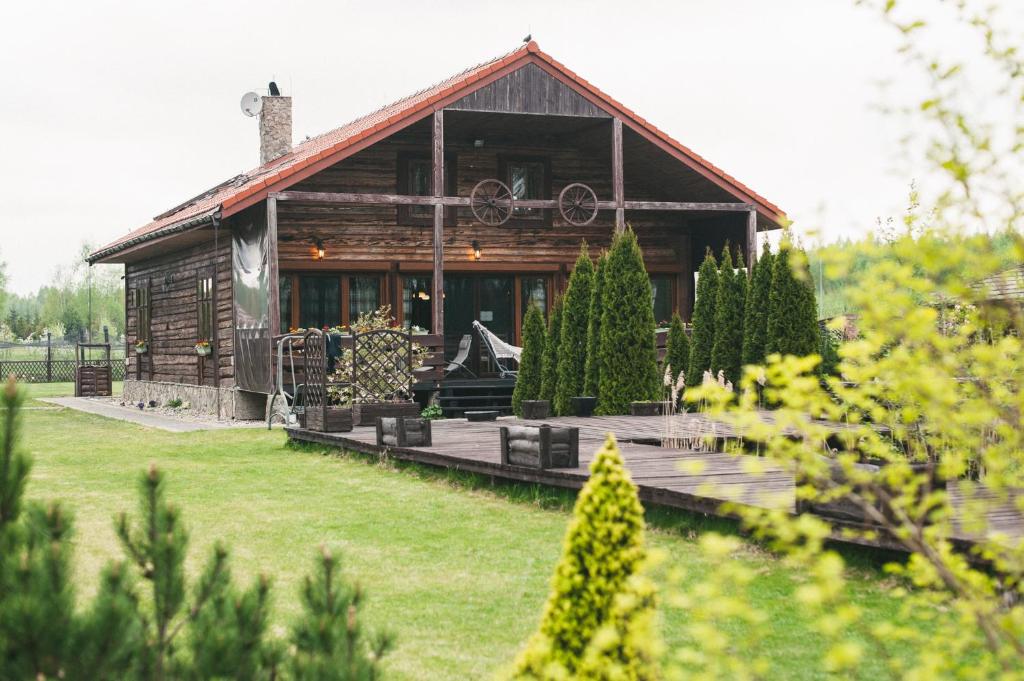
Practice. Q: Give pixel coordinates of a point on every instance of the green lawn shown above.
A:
(458, 572)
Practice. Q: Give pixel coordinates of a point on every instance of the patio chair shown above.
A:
(500, 351)
(459, 361)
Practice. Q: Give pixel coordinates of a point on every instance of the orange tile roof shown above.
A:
(242, 190)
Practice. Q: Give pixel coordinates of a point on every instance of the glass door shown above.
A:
(497, 312)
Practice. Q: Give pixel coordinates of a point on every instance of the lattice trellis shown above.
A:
(382, 366)
(314, 349)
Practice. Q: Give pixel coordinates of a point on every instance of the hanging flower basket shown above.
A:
(203, 348)
(141, 348)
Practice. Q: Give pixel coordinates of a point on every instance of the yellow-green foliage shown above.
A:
(603, 550)
(627, 646)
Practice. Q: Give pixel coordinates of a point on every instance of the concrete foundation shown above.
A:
(234, 403)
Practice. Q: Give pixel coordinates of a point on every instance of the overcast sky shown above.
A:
(111, 113)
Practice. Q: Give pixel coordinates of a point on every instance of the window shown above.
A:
(284, 293)
(415, 178)
(204, 307)
(363, 296)
(143, 312)
(661, 293)
(528, 178)
(416, 306)
(319, 301)
(533, 289)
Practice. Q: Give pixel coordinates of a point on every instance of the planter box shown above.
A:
(845, 509)
(403, 432)
(367, 413)
(331, 420)
(540, 447)
(647, 408)
(583, 406)
(536, 409)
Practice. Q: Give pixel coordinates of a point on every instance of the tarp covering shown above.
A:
(250, 276)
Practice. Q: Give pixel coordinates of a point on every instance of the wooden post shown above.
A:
(751, 238)
(273, 285)
(437, 296)
(618, 193)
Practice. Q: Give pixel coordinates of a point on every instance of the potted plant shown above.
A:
(536, 409)
(647, 408)
(583, 406)
(203, 348)
(141, 347)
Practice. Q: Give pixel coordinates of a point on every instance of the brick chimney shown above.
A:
(275, 128)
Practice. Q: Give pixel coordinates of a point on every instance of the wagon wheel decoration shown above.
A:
(491, 201)
(578, 204)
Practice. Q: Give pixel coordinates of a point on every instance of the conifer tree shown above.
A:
(602, 552)
(792, 315)
(703, 338)
(214, 630)
(530, 365)
(572, 343)
(592, 371)
(629, 358)
(549, 362)
(755, 318)
(677, 348)
(329, 640)
(627, 646)
(727, 350)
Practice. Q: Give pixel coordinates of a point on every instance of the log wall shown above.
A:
(174, 315)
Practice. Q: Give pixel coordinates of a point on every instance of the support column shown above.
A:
(437, 296)
(751, 238)
(618, 193)
(273, 294)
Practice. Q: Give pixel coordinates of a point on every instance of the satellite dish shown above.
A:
(252, 104)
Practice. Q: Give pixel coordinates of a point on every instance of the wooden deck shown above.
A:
(690, 480)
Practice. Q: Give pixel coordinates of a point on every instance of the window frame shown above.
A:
(404, 214)
(544, 217)
(143, 304)
(206, 295)
(344, 291)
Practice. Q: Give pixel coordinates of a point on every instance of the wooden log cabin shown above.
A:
(464, 201)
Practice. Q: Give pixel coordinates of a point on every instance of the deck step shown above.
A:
(457, 397)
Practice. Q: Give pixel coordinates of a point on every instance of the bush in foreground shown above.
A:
(599, 615)
(146, 622)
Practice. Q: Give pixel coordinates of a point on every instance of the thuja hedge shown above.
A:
(592, 371)
(530, 365)
(703, 320)
(549, 362)
(627, 350)
(727, 350)
(572, 342)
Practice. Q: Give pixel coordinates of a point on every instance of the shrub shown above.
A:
(792, 316)
(549, 362)
(727, 350)
(592, 371)
(602, 552)
(677, 347)
(144, 621)
(755, 318)
(629, 358)
(174, 403)
(572, 342)
(528, 381)
(703, 338)
(432, 412)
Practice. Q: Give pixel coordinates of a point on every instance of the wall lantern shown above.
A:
(319, 249)
(476, 249)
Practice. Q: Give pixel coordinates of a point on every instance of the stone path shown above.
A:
(149, 419)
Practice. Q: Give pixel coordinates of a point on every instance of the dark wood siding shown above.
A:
(529, 90)
(174, 314)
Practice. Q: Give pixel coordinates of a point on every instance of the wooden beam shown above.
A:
(274, 297)
(618, 191)
(437, 298)
(404, 199)
(751, 237)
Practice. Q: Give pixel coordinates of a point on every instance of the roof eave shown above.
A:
(104, 255)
